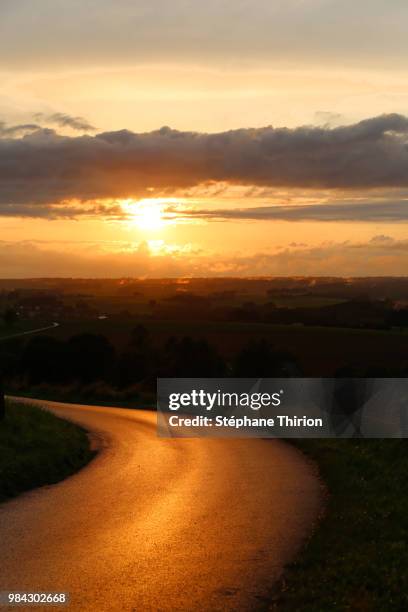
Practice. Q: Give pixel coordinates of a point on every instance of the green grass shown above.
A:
(358, 557)
(38, 448)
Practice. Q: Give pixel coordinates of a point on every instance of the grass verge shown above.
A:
(358, 558)
(38, 448)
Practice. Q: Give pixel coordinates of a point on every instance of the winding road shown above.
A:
(29, 332)
(161, 524)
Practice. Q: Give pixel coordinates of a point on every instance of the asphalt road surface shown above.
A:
(161, 524)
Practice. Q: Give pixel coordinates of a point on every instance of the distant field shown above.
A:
(139, 305)
(301, 301)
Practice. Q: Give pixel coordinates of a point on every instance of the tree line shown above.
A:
(86, 358)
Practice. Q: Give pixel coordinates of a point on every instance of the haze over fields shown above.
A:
(286, 152)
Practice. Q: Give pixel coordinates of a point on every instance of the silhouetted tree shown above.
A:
(190, 358)
(2, 401)
(45, 359)
(92, 358)
(137, 362)
(259, 359)
(139, 336)
(9, 317)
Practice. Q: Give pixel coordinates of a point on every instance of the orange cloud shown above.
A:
(380, 256)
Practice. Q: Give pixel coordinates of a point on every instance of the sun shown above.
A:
(146, 214)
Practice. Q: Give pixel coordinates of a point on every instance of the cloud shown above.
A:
(238, 31)
(65, 210)
(59, 119)
(10, 131)
(328, 119)
(381, 239)
(372, 258)
(381, 211)
(33, 259)
(46, 167)
(380, 256)
(63, 120)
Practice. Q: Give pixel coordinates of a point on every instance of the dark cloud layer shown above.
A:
(64, 120)
(11, 131)
(42, 119)
(343, 211)
(46, 167)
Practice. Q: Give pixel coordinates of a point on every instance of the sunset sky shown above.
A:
(225, 137)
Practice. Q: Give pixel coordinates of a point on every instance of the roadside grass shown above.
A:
(358, 557)
(38, 448)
